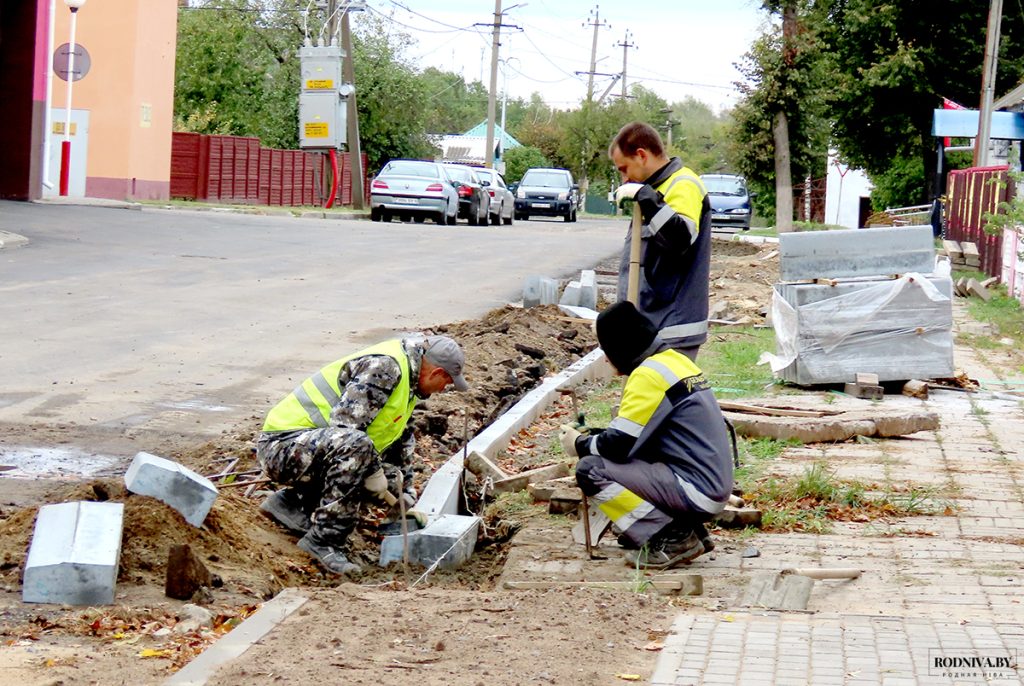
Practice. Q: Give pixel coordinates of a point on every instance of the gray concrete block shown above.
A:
(74, 554)
(450, 538)
(588, 289)
(189, 493)
(580, 312)
(856, 252)
(548, 292)
(531, 291)
(571, 294)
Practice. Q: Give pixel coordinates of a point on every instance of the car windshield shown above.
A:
(547, 179)
(461, 174)
(411, 168)
(724, 185)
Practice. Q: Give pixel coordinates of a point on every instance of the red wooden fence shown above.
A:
(971, 194)
(235, 169)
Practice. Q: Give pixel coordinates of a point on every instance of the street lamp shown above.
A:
(65, 147)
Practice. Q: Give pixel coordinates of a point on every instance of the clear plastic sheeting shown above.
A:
(897, 328)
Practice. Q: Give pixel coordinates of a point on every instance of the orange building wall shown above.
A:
(129, 92)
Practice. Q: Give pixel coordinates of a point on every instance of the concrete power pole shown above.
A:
(596, 23)
(988, 83)
(491, 105)
(355, 150)
(625, 45)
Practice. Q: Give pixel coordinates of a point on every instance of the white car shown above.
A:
(503, 202)
(413, 189)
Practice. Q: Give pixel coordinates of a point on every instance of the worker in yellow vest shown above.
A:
(342, 438)
(663, 467)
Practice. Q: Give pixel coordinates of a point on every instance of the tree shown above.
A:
(518, 160)
(892, 64)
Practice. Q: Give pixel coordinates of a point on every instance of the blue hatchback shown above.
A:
(730, 201)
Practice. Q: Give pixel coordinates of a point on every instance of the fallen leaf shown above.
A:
(728, 618)
(654, 645)
(628, 677)
(152, 652)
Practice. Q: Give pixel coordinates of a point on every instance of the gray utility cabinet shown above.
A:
(851, 307)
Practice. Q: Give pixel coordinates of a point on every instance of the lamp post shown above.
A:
(65, 147)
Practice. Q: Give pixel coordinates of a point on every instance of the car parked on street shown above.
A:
(474, 200)
(547, 192)
(730, 200)
(413, 189)
(502, 200)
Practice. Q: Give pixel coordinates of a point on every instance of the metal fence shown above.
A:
(237, 169)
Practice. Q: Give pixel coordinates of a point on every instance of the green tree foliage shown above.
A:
(771, 86)
(236, 71)
(453, 106)
(901, 185)
(893, 62)
(699, 136)
(518, 160)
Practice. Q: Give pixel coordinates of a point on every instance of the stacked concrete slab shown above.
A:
(539, 290)
(74, 554)
(861, 300)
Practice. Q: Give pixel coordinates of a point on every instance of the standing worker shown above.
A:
(342, 438)
(675, 258)
(663, 466)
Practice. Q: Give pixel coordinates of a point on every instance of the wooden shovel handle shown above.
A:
(835, 573)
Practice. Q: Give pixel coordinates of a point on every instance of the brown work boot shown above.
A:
(705, 537)
(331, 558)
(665, 550)
(285, 508)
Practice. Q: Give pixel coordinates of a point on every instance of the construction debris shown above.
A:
(738, 518)
(916, 388)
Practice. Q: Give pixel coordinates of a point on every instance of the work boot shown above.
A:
(332, 559)
(285, 508)
(666, 550)
(705, 537)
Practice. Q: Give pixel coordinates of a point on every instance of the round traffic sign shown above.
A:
(61, 57)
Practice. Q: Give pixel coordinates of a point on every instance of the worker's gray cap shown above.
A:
(445, 353)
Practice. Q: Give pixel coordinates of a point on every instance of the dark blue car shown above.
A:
(730, 201)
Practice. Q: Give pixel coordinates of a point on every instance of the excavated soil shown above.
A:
(508, 352)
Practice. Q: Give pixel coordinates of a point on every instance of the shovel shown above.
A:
(790, 589)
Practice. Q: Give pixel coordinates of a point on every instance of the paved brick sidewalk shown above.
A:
(949, 582)
(852, 650)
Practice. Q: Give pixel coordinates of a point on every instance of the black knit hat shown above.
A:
(626, 336)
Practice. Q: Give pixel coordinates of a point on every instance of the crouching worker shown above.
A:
(342, 438)
(663, 466)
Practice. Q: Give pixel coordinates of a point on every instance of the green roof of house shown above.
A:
(499, 134)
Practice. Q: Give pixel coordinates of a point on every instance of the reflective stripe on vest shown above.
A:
(683, 330)
(646, 387)
(309, 405)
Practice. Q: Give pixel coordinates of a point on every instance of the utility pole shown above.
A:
(988, 82)
(355, 149)
(596, 23)
(492, 92)
(625, 45)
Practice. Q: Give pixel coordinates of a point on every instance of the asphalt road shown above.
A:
(183, 321)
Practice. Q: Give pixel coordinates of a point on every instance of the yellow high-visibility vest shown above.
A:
(309, 405)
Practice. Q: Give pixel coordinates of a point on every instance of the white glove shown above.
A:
(568, 436)
(626, 191)
(377, 484)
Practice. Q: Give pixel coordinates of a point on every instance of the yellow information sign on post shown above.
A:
(317, 130)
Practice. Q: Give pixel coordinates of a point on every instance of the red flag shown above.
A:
(948, 104)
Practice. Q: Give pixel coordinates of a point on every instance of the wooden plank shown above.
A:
(731, 406)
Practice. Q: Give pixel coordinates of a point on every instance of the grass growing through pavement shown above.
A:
(810, 501)
(729, 361)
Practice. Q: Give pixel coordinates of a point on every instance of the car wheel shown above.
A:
(419, 219)
(385, 216)
(508, 220)
(375, 213)
(524, 217)
(568, 217)
(496, 217)
(574, 215)
(451, 218)
(442, 217)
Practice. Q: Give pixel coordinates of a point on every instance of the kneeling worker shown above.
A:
(342, 438)
(663, 466)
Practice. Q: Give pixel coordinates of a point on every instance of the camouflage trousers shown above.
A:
(326, 469)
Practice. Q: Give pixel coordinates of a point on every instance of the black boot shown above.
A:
(672, 546)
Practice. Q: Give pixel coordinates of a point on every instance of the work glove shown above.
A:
(377, 484)
(567, 436)
(627, 191)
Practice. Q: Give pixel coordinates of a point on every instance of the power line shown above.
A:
(392, 19)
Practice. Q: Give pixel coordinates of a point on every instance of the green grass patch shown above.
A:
(729, 361)
(809, 501)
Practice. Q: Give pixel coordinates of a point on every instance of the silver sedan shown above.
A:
(413, 189)
(503, 202)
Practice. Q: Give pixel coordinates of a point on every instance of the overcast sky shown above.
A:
(684, 47)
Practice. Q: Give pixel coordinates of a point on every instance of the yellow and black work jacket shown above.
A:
(669, 414)
(309, 405)
(675, 255)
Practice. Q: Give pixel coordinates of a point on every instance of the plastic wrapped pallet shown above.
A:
(897, 328)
